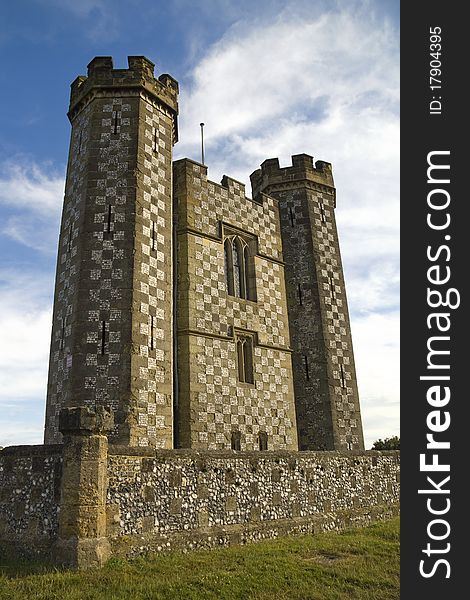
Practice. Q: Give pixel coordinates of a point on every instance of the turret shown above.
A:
(326, 396)
(112, 333)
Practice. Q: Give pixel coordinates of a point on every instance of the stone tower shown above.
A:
(234, 367)
(199, 317)
(112, 334)
(326, 396)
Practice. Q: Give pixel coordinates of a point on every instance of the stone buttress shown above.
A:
(112, 323)
(326, 395)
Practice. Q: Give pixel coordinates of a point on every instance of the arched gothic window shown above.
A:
(228, 265)
(239, 268)
(245, 359)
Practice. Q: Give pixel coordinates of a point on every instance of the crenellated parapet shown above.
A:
(104, 79)
(303, 171)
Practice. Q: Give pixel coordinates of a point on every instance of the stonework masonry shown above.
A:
(199, 317)
(30, 478)
(122, 500)
(114, 270)
(187, 499)
(327, 400)
(202, 388)
(212, 402)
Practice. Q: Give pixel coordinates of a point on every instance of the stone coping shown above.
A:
(116, 450)
(32, 450)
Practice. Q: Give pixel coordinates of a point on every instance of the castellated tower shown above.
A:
(189, 315)
(112, 323)
(326, 396)
(199, 317)
(234, 381)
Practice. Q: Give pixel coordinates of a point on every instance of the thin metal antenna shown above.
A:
(202, 142)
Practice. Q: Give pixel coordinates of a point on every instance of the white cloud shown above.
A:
(31, 196)
(255, 75)
(30, 199)
(25, 324)
(376, 351)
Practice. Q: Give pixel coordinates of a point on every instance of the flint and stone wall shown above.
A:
(186, 499)
(30, 479)
(181, 499)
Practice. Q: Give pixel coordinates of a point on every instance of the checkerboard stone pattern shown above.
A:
(112, 323)
(326, 395)
(67, 277)
(212, 402)
(114, 320)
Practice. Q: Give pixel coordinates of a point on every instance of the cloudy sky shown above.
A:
(269, 79)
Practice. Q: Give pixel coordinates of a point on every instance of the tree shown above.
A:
(392, 443)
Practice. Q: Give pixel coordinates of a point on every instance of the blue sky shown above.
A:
(269, 79)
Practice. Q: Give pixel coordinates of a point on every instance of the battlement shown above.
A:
(271, 173)
(227, 183)
(140, 73)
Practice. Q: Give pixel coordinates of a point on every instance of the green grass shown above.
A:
(359, 564)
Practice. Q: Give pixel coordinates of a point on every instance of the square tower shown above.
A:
(234, 359)
(112, 333)
(326, 395)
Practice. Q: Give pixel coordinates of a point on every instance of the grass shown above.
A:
(360, 564)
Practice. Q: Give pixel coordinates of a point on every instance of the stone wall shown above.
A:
(121, 500)
(185, 499)
(29, 497)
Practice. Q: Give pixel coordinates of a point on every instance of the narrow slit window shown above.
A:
(245, 359)
(151, 333)
(291, 216)
(108, 225)
(307, 372)
(153, 235)
(237, 271)
(115, 121)
(343, 376)
(69, 239)
(228, 264)
(103, 336)
(300, 294)
(62, 335)
(332, 287)
(240, 359)
(155, 140)
(263, 440)
(248, 360)
(322, 211)
(236, 442)
(246, 269)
